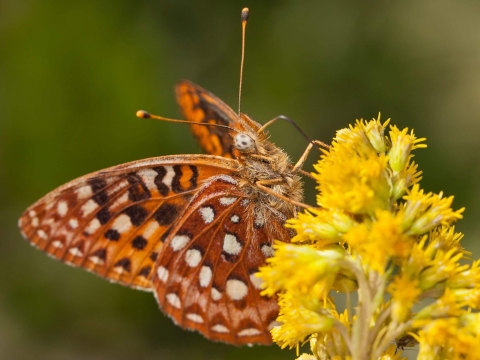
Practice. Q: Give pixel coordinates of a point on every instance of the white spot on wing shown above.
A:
(75, 252)
(273, 324)
(267, 250)
(62, 208)
(205, 276)
(231, 245)
(84, 192)
(207, 214)
(179, 241)
(167, 179)
(57, 244)
(150, 229)
(122, 223)
(118, 186)
(96, 260)
(202, 301)
(249, 332)
(162, 274)
(93, 226)
(73, 223)
(32, 213)
(174, 300)
(148, 177)
(257, 282)
(227, 200)
(89, 207)
(220, 328)
(194, 317)
(118, 269)
(236, 289)
(35, 222)
(121, 200)
(110, 180)
(42, 234)
(193, 257)
(216, 295)
(235, 219)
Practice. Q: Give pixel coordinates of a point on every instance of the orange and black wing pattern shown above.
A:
(201, 106)
(113, 222)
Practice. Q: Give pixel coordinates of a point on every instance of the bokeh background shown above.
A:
(73, 73)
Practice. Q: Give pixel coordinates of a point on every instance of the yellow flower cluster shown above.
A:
(376, 233)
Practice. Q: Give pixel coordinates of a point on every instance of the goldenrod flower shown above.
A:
(392, 353)
(368, 240)
(469, 297)
(445, 238)
(297, 321)
(331, 344)
(423, 212)
(402, 180)
(447, 305)
(361, 184)
(450, 338)
(306, 357)
(402, 144)
(322, 225)
(316, 267)
(441, 267)
(405, 292)
(468, 278)
(375, 132)
(380, 234)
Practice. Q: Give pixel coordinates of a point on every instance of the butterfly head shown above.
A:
(248, 137)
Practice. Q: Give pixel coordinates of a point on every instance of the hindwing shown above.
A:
(205, 275)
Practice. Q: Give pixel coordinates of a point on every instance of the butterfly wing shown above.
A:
(113, 222)
(199, 105)
(204, 277)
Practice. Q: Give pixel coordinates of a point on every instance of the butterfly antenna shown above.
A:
(142, 114)
(245, 13)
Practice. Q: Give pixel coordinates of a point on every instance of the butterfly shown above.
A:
(193, 229)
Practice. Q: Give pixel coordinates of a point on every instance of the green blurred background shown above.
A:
(72, 75)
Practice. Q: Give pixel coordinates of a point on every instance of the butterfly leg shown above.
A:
(298, 166)
(307, 174)
(261, 184)
(262, 158)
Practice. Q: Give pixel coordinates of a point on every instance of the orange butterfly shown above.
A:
(193, 229)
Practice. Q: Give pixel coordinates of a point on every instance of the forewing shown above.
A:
(204, 277)
(199, 105)
(113, 222)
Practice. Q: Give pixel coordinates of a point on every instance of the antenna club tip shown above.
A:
(245, 13)
(143, 114)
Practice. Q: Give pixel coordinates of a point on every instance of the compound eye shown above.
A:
(243, 142)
